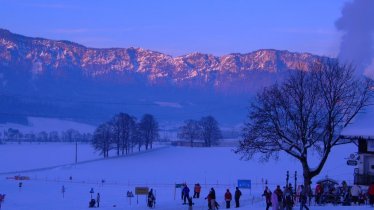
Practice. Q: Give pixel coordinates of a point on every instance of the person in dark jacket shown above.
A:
(186, 194)
(303, 198)
(98, 199)
(267, 194)
(190, 203)
(151, 199)
(212, 195)
(238, 193)
(288, 199)
(228, 198)
(92, 203)
(279, 193)
(209, 201)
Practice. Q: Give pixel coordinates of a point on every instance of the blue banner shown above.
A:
(244, 184)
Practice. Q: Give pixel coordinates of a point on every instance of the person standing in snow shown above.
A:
(274, 201)
(190, 203)
(98, 199)
(63, 191)
(355, 192)
(151, 199)
(213, 198)
(303, 198)
(288, 199)
(318, 193)
(209, 198)
(267, 194)
(310, 193)
(371, 193)
(238, 193)
(197, 190)
(279, 194)
(186, 193)
(228, 198)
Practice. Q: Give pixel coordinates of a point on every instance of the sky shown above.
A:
(178, 27)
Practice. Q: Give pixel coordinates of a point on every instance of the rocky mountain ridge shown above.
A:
(42, 56)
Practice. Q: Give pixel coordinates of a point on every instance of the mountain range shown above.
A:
(37, 72)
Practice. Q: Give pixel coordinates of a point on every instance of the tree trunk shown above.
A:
(307, 174)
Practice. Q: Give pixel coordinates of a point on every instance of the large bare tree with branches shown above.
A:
(305, 113)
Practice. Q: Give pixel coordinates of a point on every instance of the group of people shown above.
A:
(342, 194)
(228, 198)
(285, 199)
(213, 204)
(211, 197)
(325, 192)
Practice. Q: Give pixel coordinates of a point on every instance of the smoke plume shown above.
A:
(357, 25)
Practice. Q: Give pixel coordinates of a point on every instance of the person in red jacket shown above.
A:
(371, 193)
(228, 198)
(197, 190)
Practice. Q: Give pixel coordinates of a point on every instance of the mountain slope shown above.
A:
(62, 79)
(42, 55)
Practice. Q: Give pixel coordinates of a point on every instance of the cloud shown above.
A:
(357, 25)
(168, 104)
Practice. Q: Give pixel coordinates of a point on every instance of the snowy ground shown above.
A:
(37, 124)
(159, 169)
(23, 156)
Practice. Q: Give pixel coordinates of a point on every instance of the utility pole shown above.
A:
(76, 151)
(295, 180)
(287, 178)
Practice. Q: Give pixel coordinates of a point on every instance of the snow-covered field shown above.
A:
(159, 169)
(37, 124)
(27, 156)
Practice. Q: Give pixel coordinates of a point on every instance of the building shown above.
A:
(362, 132)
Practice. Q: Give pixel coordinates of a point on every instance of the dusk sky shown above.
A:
(180, 27)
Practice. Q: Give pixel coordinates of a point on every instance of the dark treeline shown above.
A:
(205, 130)
(124, 134)
(70, 135)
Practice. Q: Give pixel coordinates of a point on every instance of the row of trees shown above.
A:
(123, 133)
(206, 129)
(70, 135)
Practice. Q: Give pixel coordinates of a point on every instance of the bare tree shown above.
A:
(70, 135)
(137, 137)
(210, 131)
(123, 127)
(148, 128)
(305, 113)
(190, 131)
(102, 139)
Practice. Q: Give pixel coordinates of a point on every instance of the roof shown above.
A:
(327, 180)
(362, 125)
